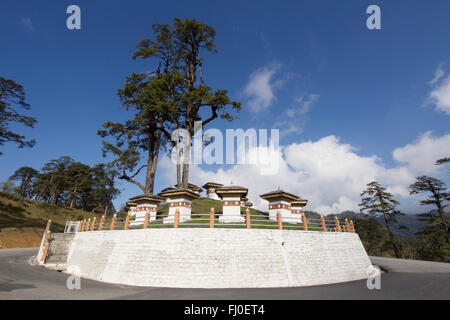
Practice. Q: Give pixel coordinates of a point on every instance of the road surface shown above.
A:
(403, 279)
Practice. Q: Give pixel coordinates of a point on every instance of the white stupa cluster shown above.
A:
(233, 198)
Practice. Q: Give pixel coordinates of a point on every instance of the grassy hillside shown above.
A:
(22, 221)
(204, 205)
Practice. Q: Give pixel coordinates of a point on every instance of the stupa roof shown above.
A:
(145, 197)
(193, 187)
(130, 204)
(173, 192)
(232, 189)
(212, 185)
(299, 203)
(279, 194)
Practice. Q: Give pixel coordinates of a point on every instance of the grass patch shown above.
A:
(18, 214)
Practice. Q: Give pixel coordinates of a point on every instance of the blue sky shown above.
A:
(310, 68)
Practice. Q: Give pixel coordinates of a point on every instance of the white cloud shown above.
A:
(421, 155)
(329, 173)
(438, 74)
(292, 120)
(306, 102)
(28, 24)
(440, 93)
(440, 96)
(261, 86)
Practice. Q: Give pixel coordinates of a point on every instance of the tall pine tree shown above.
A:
(376, 201)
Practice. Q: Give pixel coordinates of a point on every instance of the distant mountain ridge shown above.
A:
(410, 221)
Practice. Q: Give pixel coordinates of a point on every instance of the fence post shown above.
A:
(102, 223)
(347, 226)
(211, 218)
(47, 240)
(352, 226)
(127, 222)
(247, 218)
(177, 218)
(338, 226)
(88, 225)
(322, 223)
(113, 221)
(93, 224)
(147, 217)
(280, 221)
(80, 226)
(305, 223)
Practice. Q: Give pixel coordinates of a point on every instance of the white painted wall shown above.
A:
(185, 212)
(286, 214)
(231, 213)
(219, 258)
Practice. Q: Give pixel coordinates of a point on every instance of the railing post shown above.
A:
(322, 223)
(280, 221)
(113, 221)
(211, 218)
(347, 226)
(80, 226)
(177, 218)
(102, 223)
(44, 242)
(146, 219)
(88, 225)
(247, 218)
(93, 224)
(305, 223)
(47, 240)
(352, 226)
(338, 226)
(127, 222)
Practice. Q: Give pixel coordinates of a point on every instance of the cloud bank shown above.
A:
(440, 94)
(329, 173)
(261, 87)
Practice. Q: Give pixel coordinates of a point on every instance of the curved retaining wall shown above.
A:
(218, 258)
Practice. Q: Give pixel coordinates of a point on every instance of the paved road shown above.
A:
(403, 280)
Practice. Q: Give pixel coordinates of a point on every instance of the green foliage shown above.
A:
(12, 96)
(167, 98)
(442, 161)
(376, 200)
(26, 176)
(438, 223)
(374, 237)
(65, 182)
(7, 186)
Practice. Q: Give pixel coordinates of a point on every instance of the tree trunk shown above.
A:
(186, 159)
(442, 216)
(391, 236)
(152, 161)
(178, 150)
(72, 201)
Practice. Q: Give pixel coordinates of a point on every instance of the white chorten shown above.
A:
(231, 203)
